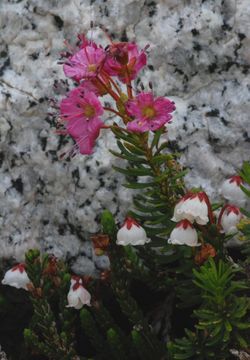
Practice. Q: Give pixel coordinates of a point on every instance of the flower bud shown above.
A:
(32, 255)
(131, 233)
(108, 223)
(206, 251)
(193, 207)
(184, 234)
(232, 192)
(17, 277)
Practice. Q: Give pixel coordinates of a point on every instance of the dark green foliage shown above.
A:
(211, 292)
(108, 224)
(49, 335)
(244, 225)
(116, 346)
(144, 351)
(50, 342)
(90, 327)
(153, 170)
(245, 173)
(120, 283)
(52, 328)
(221, 319)
(156, 174)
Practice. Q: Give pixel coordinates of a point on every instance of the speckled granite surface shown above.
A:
(199, 58)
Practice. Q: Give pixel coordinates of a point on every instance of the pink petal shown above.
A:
(89, 134)
(138, 126)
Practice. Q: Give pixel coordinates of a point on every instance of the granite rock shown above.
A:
(199, 58)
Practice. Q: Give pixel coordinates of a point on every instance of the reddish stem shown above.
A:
(210, 211)
(129, 86)
(110, 91)
(112, 110)
(112, 82)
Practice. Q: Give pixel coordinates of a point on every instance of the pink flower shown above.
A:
(149, 113)
(81, 111)
(125, 61)
(184, 234)
(17, 277)
(193, 207)
(80, 104)
(229, 218)
(85, 63)
(231, 190)
(131, 233)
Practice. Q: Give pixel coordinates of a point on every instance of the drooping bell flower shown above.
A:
(150, 113)
(131, 233)
(78, 296)
(17, 277)
(229, 218)
(124, 60)
(184, 234)
(232, 192)
(85, 63)
(194, 207)
(81, 110)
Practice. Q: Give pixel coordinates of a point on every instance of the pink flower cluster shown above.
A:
(94, 68)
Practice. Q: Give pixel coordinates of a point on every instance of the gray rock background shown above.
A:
(199, 58)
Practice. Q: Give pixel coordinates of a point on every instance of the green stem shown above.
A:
(156, 169)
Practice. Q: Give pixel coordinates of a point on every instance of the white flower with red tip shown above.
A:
(17, 277)
(229, 218)
(78, 295)
(184, 234)
(231, 190)
(193, 207)
(131, 233)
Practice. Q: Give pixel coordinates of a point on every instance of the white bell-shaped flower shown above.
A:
(193, 207)
(184, 234)
(131, 233)
(17, 277)
(232, 192)
(78, 295)
(229, 218)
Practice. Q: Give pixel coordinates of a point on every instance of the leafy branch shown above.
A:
(222, 317)
(156, 174)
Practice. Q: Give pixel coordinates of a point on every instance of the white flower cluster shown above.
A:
(192, 208)
(77, 295)
(195, 207)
